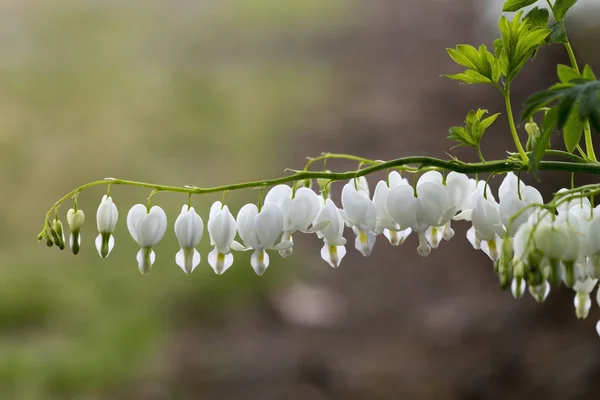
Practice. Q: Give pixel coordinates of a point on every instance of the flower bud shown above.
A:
(540, 292)
(75, 219)
(583, 304)
(106, 219)
(58, 228)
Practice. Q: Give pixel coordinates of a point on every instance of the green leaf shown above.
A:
(516, 5)
(566, 74)
(543, 141)
(468, 77)
(588, 73)
(572, 131)
(558, 33)
(520, 41)
(480, 63)
(561, 7)
(460, 135)
(538, 18)
(582, 92)
(489, 121)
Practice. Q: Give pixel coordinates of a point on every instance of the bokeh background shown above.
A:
(219, 91)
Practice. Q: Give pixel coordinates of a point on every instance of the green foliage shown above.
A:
(481, 65)
(561, 7)
(470, 134)
(519, 41)
(558, 33)
(574, 96)
(516, 5)
(538, 17)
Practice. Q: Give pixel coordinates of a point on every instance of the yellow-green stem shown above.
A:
(513, 128)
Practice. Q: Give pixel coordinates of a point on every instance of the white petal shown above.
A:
(304, 209)
(364, 242)
(220, 262)
(215, 208)
(432, 203)
(187, 259)
(106, 216)
(134, 216)
(245, 222)
(423, 248)
(472, 238)
(269, 225)
(517, 287)
(152, 227)
(189, 228)
(287, 238)
(110, 244)
(145, 258)
(540, 292)
(402, 206)
(508, 183)
(259, 261)
(332, 254)
(222, 228)
(434, 235)
(396, 238)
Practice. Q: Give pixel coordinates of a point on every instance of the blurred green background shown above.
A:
(218, 91)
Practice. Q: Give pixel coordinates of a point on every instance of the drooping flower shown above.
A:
(298, 209)
(189, 228)
(359, 214)
(106, 219)
(75, 219)
(147, 228)
(260, 230)
(429, 207)
(384, 223)
(222, 229)
(333, 250)
(582, 300)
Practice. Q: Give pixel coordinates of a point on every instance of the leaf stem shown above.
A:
(513, 128)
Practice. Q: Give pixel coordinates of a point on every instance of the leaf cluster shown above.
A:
(475, 126)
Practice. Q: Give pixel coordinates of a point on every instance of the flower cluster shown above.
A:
(532, 245)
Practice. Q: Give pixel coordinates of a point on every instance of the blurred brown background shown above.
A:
(219, 91)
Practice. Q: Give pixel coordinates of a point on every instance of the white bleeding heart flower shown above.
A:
(430, 207)
(222, 229)
(384, 223)
(298, 209)
(488, 226)
(147, 228)
(106, 219)
(333, 250)
(260, 230)
(361, 184)
(565, 206)
(476, 189)
(189, 228)
(360, 214)
(514, 201)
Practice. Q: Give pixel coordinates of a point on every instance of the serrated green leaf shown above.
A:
(561, 7)
(460, 135)
(460, 58)
(588, 73)
(469, 77)
(572, 131)
(558, 34)
(538, 18)
(489, 121)
(566, 74)
(516, 5)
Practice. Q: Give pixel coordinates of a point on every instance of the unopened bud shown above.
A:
(518, 287)
(540, 292)
(57, 226)
(75, 219)
(583, 304)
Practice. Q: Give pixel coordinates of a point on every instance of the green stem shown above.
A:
(496, 166)
(513, 128)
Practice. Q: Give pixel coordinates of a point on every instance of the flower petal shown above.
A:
(220, 262)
